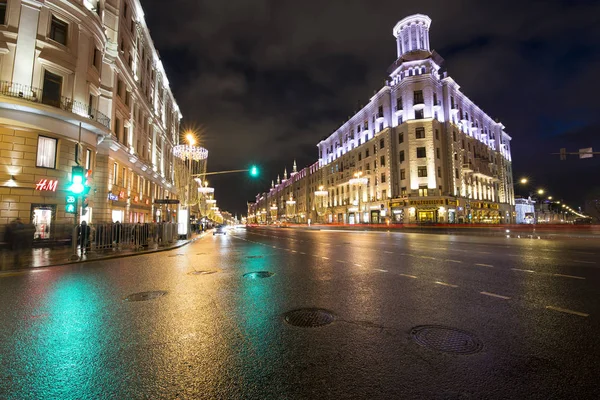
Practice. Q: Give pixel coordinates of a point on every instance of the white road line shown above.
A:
(495, 295)
(380, 270)
(430, 258)
(358, 265)
(294, 251)
(325, 258)
(484, 252)
(302, 252)
(564, 310)
(445, 284)
(523, 270)
(274, 247)
(388, 252)
(408, 276)
(454, 261)
(341, 261)
(485, 265)
(584, 262)
(568, 276)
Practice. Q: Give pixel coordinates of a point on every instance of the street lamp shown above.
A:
(322, 194)
(524, 181)
(540, 191)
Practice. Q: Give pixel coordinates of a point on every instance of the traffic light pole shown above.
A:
(222, 172)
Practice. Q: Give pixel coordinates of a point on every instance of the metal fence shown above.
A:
(119, 236)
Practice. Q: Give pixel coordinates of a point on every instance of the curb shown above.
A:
(112, 257)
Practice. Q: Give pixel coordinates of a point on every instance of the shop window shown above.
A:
(423, 191)
(46, 152)
(59, 30)
(403, 191)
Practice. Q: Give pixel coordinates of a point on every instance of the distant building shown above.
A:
(89, 69)
(525, 211)
(420, 151)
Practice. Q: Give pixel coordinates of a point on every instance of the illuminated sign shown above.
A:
(71, 206)
(113, 197)
(122, 194)
(136, 199)
(46, 184)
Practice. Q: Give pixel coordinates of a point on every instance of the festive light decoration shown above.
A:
(185, 151)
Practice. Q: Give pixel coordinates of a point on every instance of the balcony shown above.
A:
(35, 95)
(437, 104)
(380, 116)
(468, 167)
(418, 102)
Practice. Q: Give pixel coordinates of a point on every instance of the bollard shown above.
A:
(74, 255)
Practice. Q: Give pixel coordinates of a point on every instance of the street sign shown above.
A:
(166, 201)
(586, 153)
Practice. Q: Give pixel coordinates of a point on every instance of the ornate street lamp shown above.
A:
(321, 201)
(357, 180)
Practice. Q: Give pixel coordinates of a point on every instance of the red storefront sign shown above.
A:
(47, 184)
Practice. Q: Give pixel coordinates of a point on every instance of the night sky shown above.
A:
(266, 80)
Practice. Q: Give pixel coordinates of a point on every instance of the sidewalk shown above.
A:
(47, 257)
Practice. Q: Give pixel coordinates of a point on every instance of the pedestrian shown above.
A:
(84, 237)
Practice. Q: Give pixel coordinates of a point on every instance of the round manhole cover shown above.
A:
(446, 339)
(258, 275)
(203, 272)
(143, 296)
(254, 257)
(309, 317)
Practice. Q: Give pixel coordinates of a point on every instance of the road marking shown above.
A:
(568, 276)
(358, 265)
(484, 252)
(445, 284)
(454, 261)
(388, 252)
(325, 258)
(408, 276)
(523, 270)
(430, 258)
(302, 252)
(495, 295)
(485, 265)
(564, 310)
(584, 262)
(294, 251)
(341, 261)
(380, 270)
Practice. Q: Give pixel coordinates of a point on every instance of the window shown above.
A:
(2, 12)
(402, 174)
(401, 156)
(123, 177)
(455, 157)
(420, 133)
(52, 89)
(421, 152)
(366, 153)
(115, 173)
(359, 156)
(435, 99)
(439, 172)
(423, 191)
(383, 194)
(96, 58)
(375, 164)
(421, 172)
(120, 88)
(399, 103)
(401, 137)
(403, 191)
(437, 134)
(88, 159)
(418, 97)
(382, 161)
(46, 152)
(59, 30)
(454, 135)
(368, 167)
(456, 173)
(117, 127)
(437, 153)
(419, 114)
(399, 119)
(382, 178)
(382, 143)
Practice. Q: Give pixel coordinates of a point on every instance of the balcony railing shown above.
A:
(35, 95)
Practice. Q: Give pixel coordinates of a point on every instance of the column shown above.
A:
(418, 33)
(427, 39)
(409, 38)
(399, 45)
(26, 40)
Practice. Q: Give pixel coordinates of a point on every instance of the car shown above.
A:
(219, 230)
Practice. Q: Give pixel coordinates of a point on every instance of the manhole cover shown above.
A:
(309, 317)
(203, 272)
(258, 274)
(446, 339)
(254, 257)
(143, 296)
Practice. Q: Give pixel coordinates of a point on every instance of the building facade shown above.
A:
(419, 151)
(81, 82)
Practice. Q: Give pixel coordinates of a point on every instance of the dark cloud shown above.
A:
(268, 79)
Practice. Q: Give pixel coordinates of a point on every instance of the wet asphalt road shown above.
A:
(533, 305)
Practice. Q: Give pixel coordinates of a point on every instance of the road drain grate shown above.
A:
(203, 272)
(309, 317)
(446, 339)
(143, 296)
(258, 275)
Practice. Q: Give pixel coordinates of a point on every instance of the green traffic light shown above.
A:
(77, 177)
(254, 171)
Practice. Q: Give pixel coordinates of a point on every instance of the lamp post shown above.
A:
(358, 180)
(321, 194)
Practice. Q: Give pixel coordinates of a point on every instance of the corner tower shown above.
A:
(412, 34)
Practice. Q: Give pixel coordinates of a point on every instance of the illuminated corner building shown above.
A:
(91, 64)
(428, 153)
